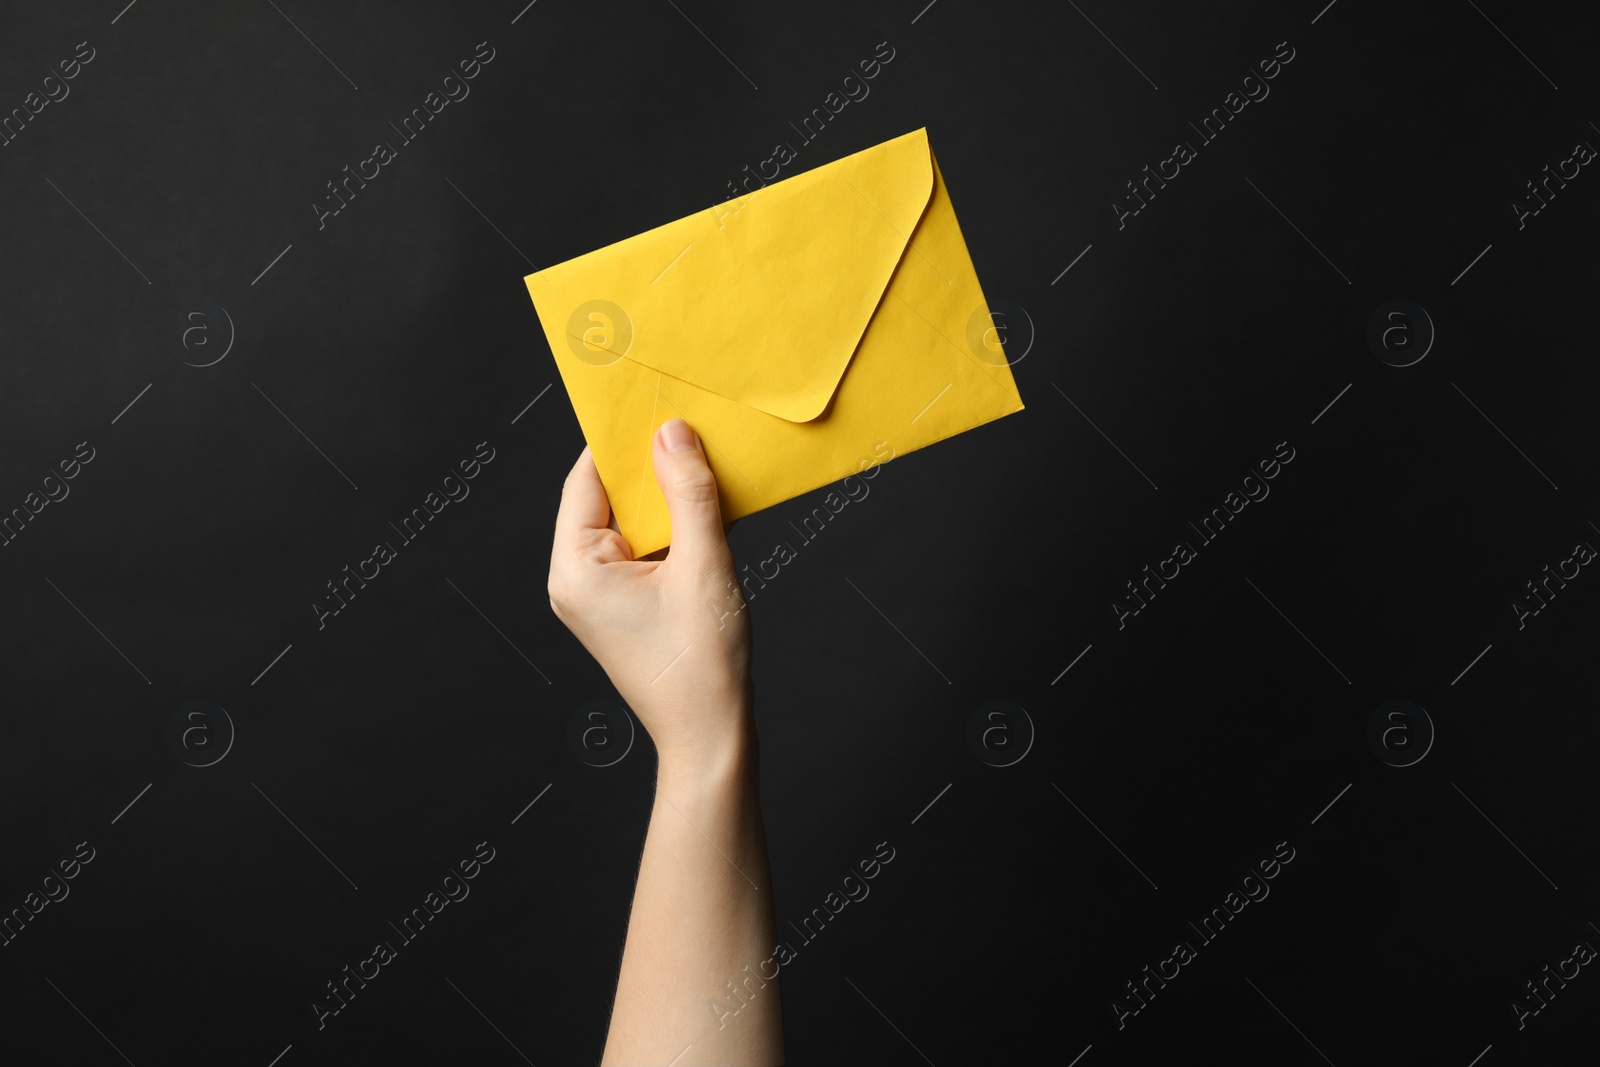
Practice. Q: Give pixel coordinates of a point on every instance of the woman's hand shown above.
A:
(672, 634)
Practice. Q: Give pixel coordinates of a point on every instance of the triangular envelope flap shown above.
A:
(762, 299)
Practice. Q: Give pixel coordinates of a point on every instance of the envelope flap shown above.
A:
(762, 299)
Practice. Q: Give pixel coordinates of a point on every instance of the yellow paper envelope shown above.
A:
(805, 331)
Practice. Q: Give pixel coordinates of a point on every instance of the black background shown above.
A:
(1221, 721)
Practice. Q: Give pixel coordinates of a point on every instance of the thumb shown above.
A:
(691, 491)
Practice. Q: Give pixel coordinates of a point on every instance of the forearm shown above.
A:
(700, 935)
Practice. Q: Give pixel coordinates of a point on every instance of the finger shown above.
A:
(584, 505)
(691, 492)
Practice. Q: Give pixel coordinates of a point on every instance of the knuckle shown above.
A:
(698, 488)
(559, 591)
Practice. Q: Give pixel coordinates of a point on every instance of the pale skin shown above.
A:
(671, 634)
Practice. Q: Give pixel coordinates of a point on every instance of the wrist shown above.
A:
(722, 764)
